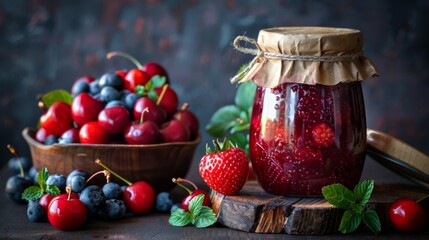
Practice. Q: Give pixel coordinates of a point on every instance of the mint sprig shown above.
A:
(35, 192)
(149, 88)
(354, 203)
(199, 215)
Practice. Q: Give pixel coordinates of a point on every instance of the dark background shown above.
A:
(46, 45)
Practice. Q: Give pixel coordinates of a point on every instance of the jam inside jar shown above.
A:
(304, 137)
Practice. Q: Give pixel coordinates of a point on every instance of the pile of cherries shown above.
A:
(122, 107)
(80, 199)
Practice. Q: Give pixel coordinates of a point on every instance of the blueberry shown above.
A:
(15, 186)
(112, 190)
(93, 198)
(94, 88)
(175, 207)
(51, 140)
(115, 103)
(77, 183)
(75, 172)
(35, 212)
(163, 202)
(57, 180)
(111, 79)
(130, 100)
(114, 208)
(80, 86)
(13, 164)
(108, 94)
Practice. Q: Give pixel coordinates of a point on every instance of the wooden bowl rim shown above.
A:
(27, 136)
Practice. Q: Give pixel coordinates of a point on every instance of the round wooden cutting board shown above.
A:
(254, 210)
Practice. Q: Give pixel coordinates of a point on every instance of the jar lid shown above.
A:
(398, 156)
(310, 55)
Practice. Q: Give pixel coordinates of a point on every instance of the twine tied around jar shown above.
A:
(259, 53)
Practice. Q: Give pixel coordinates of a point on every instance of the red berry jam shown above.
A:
(304, 137)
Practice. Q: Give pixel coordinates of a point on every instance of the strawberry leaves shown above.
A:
(36, 192)
(354, 203)
(199, 215)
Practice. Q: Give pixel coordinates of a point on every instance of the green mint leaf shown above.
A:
(158, 81)
(42, 176)
(57, 96)
(206, 218)
(222, 120)
(350, 221)
(149, 85)
(370, 218)
(339, 196)
(53, 190)
(180, 218)
(196, 204)
(245, 95)
(32, 193)
(152, 95)
(363, 192)
(140, 90)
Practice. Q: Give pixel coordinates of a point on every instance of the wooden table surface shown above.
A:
(15, 225)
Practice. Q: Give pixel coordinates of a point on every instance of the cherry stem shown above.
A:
(68, 191)
(141, 116)
(181, 185)
(161, 96)
(98, 161)
(187, 181)
(105, 172)
(13, 151)
(421, 199)
(126, 55)
(184, 106)
(42, 106)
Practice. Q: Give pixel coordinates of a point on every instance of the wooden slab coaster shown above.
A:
(254, 210)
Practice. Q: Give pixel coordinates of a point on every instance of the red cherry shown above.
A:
(66, 213)
(153, 69)
(185, 202)
(85, 108)
(57, 119)
(45, 200)
(407, 215)
(42, 135)
(154, 113)
(92, 133)
(121, 73)
(139, 197)
(189, 120)
(142, 133)
(134, 78)
(174, 131)
(167, 99)
(114, 119)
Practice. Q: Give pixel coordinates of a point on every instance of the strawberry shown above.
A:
(323, 135)
(226, 168)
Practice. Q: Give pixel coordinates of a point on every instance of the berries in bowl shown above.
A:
(131, 121)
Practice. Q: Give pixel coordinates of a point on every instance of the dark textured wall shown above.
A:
(47, 44)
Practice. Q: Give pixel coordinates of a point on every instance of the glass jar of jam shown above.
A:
(308, 126)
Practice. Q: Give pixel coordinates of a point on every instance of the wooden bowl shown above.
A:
(156, 163)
